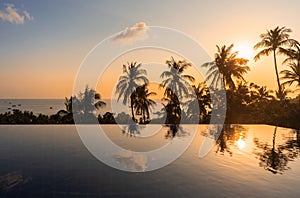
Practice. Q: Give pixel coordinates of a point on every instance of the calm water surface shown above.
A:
(247, 160)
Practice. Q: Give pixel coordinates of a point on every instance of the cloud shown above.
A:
(28, 16)
(12, 15)
(133, 162)
(134, 33)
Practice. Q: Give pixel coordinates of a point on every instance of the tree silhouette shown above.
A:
(177, 86)
(175, 79)
(133, 76)
(199, 105)
(226, 68)
(172, 107)
(273, 42)
(260, 93)
(293, 75)
(142, 103)
(89, 101)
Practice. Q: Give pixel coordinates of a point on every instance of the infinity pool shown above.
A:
(246, 160)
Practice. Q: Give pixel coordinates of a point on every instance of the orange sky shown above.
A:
(39, 57)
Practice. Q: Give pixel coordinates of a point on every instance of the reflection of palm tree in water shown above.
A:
(175, 130)
(131, 129)
(292, 146)
(272, 159)
(226, 136)
(172, 131)
(230, 134)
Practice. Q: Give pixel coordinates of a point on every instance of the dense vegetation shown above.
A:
(188, 101)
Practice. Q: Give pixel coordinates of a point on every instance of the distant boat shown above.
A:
(19, 105)
(13, 105)
(50, 107)
(9, 108)
(9, 102)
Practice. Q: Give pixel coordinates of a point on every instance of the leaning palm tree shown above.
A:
(274, 42)
(133, 76)
(226, 68)
(142, 103)
(175, 79)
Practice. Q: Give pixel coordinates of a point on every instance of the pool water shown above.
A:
(247, 160)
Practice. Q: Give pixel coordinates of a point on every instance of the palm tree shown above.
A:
(69, 103)
(292, 75)
(292, 53)
(201, 101)
(260, 94)
(226, 67)
(133, 76)
(172, 107)
(90, 100)
(175, 80)
(273, 41)
(141, 101)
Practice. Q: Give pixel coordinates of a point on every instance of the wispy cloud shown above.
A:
(12, 15)
(134, 33)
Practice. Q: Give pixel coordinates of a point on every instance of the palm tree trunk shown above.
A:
(277, 76)
(132, 112)
(274, 138)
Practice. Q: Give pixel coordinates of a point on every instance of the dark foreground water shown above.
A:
(247, 161)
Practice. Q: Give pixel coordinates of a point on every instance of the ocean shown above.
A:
(52, 106)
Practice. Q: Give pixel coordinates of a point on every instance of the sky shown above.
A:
(43, 43)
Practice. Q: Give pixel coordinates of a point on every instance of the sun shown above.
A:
(245, 50)
(241, 143)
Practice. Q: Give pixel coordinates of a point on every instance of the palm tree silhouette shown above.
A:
(261, 94)
(226, 67)
(200, 103)
(142, 103)
(172, 107)
(175, 80)
(89, 101)
(273, 41)
(293, 75)
(133, 76)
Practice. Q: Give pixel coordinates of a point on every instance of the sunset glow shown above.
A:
(245, 50)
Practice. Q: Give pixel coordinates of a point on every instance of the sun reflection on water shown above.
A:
(240, 143)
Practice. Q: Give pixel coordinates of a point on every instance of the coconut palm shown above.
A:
(133, 76)
(292, 53)
(142, 103)
(175, 79)
(226, 68)
(260, 94)
(172, 107)
(293, 75)
(274, 42)
(89, 101)
(200, 102)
